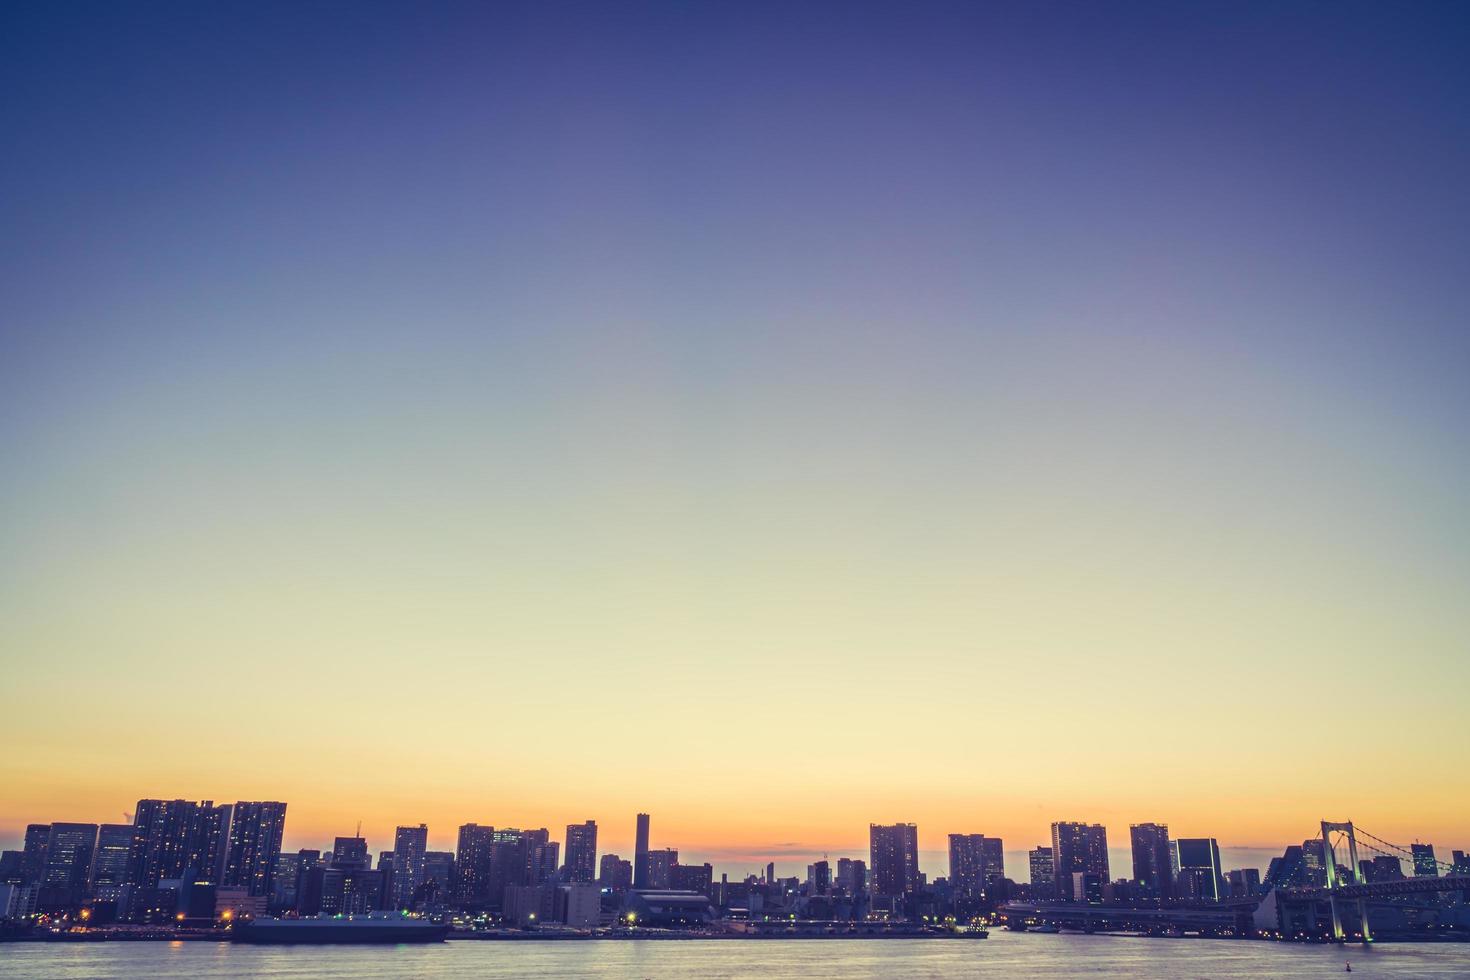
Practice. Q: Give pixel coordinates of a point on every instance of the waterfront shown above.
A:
(1005, 954)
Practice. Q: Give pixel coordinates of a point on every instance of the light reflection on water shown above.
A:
(1004, 954)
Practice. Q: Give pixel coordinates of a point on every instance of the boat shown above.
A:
(1048, 928)
(342, 929)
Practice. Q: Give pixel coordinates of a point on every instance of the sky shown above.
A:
(774, 417)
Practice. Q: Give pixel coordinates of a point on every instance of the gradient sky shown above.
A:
(776, 417)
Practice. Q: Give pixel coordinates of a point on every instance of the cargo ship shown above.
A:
(342, 929)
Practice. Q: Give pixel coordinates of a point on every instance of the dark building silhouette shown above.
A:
(472, 863)
(692, 878)
(1153, 860)
(1199, 876)
(178, 839)
(1425, 865)
(1078, 848)
(33, 855)
(581, 857)
(659, 867)
(967, 864)
(255, 844)
(615, 874)
(640, 853)
(110, 863)
(894, 858)
(69, 851)
(409, 845)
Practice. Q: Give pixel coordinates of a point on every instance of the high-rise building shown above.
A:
(1153, 870)
(1078, 848)
(1459, 863)
(1425, 865)
(660, 863)
(640, 853)
(894, 858)
(542, 854)
(852, 877)
(209, 830)
(993, 859)
(1244, 882)
(472, 863)
(255, 843)
(438, 883)
(178, 839)
(33, 857)
(692, 878)
(581, 851)
(409, 845)
(615, 874)
(69, 851)
(110, 863)
(1043, 872)
(819, 877)
(967, 864)
(1199, 875)
(10, 865)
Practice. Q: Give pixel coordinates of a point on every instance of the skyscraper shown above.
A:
(967, 864)
(1425, 864)
(615, 874)
(110, 863)
(409, 845)
(1043, 872)
(255, 843)
(993, 859)
(1153, 869)
(581, 857)
(894, 858)
(660, 863)
(1078, 848)
(472, 863)
(69, 851)
(1200, 874)
(208, 841)
(33, 856)
(161, 840)
(640, 853)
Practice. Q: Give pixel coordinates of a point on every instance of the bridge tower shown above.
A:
(1334, 883)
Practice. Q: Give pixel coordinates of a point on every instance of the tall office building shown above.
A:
(993, 859)
(640, 853)
(438, 876)
(660, 864)
(409, 845)
(581, 855)
(69, 851)
(542, 856)
(33, 856)
(819, 877)
(110, 863)
(852, 877)
(208, 841)
(967, 864)
(1043, 872)
(1425, 865)
(1200, 876)
(177, 839)
(1079, 849)
(472, 863)
(1153, 862)
(255, 843)
(615, 874)
(894, 858)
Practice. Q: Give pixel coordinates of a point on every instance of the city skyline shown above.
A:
(790, 858)
(778, 418)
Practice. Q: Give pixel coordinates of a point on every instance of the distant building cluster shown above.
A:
(199, 863)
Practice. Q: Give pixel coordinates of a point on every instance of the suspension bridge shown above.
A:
(1334, 906)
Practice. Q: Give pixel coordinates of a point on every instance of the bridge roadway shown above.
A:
(1233, 917)
(1383, 889)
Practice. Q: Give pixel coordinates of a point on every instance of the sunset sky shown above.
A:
(775, 417)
